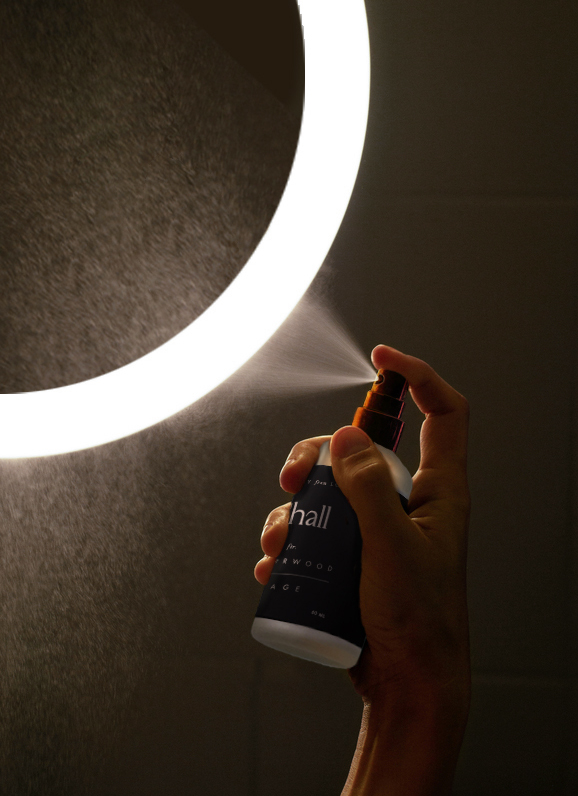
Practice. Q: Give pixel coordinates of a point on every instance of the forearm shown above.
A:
(409, 742)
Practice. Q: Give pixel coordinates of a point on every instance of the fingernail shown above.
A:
(349, 440)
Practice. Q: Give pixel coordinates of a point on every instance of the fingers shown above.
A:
(364, 478)
(263, 570)
(292, 477)
(272, 541)
(299, 463)
(444, 432)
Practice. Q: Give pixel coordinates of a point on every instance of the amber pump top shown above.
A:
(380, 415)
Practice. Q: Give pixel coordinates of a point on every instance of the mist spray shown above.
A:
(310, 607)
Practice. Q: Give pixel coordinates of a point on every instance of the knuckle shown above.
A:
(303, 448)
(275, 531)
(301, 459)
(306, 448)
(368, 472)
(278, 515)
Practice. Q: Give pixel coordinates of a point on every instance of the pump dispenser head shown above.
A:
(380, 415)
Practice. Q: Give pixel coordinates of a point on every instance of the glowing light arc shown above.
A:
(276, 276)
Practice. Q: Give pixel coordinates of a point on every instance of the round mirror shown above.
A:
(236, 318)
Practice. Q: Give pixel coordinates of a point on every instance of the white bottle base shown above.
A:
(305, 642)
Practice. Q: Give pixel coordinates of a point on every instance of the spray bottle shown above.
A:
(310, 607)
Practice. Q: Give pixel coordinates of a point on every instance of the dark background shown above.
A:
(127, 591)
(264, 37)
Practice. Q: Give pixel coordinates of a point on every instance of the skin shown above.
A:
(414, 673)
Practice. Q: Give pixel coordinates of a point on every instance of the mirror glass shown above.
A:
(144, 148)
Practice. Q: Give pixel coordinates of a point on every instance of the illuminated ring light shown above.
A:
(264, 293)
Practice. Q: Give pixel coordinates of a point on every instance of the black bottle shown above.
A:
(310, 607)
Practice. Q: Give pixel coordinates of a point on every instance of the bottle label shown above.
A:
(315, 580)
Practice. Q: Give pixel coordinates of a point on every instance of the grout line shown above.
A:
(524, 680)
(483, 199)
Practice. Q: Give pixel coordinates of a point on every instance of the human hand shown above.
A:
(412, 589)
(413, 573)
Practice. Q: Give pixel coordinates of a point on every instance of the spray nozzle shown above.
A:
(380, 414)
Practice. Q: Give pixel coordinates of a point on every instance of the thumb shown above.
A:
(364, 477)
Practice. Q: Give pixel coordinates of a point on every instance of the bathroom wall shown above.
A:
(127, 590)
(471, 212)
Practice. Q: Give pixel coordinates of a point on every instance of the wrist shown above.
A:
(425, 692)
(410, 739)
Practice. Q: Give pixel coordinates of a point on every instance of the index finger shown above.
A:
(301, 459)
(444, 434)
